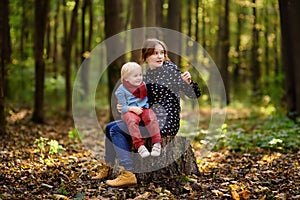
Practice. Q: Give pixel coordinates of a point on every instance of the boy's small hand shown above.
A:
(136, 110)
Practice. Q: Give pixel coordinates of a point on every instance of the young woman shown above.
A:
(165, 82)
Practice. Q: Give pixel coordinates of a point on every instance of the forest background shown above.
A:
(45, 43)
(254, 43)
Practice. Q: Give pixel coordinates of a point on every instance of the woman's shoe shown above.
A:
(126, 178)
(104, 171)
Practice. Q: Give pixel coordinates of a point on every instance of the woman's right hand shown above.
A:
(186, 76)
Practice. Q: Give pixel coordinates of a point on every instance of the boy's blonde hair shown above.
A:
(128, 68)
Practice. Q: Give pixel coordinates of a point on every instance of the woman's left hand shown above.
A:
(186, 76)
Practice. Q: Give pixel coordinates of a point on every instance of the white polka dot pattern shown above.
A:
(164, 85)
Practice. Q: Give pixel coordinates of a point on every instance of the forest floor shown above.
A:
(32, 168)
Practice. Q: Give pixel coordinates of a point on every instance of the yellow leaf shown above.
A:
(218, 193)
(143, 196)
(245, 194)
(235, 195)
(60, 197)
(263, 197)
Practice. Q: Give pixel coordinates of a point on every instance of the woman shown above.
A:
(164, 82)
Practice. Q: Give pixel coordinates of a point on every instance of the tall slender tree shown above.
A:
(137, 21)
(5, 53)
(174, 23)
(255, 65)
(159, 13)
(68, 50)
(55, 39)
(237, 64)
(113, 26)
(290, 15)
(84, 49)
(223, 43)
(41, 9)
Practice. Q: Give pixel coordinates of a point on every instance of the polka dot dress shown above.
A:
(164, 85)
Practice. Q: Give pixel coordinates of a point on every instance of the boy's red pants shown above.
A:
(149, 118)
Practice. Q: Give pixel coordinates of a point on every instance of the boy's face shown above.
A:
(135, 77)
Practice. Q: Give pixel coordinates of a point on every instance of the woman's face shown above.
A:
(157, 58)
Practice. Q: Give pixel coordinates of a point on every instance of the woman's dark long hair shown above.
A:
(149, 47)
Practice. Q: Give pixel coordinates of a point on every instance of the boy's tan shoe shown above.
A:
(126, 178)
(104, 172)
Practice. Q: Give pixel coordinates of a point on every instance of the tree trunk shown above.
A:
(69, 45)
(137, 22)
(54, 53)
(173, 22)
(91, 23)
(115, 48)
(159, 13)
(237, 64)
(5, 53)
(176, 159)
(41, 14)
(151, 13)
(289, 15)
(255, 69)
(223, 35)
(266, 33)
(203, 3)
(85, 72)
(23, 30)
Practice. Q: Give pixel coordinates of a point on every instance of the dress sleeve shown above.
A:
(191, 90)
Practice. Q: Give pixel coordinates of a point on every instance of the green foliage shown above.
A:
(274, 87)
(54, 147)
(21, 81)
(274, 133)
(41, 143)
(75, 134)
(21, 86)
(46, 148)
(63, 189)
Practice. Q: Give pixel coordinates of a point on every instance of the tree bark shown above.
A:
(69, 45)
(237, 64)
(173, 22)
(41, 14)
(255, 68)
(223, 35)
(137, 21)
(289, 15)
(115, 48)
(177, 158)
(85, 71)
(159, 13)
(54, 53)
(5, 53)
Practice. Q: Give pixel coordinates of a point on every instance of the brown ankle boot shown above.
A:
(126, 178)
(104, 172)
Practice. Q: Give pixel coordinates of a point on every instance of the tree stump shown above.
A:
(177, 158)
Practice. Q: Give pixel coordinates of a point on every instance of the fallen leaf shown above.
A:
(235, 195)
